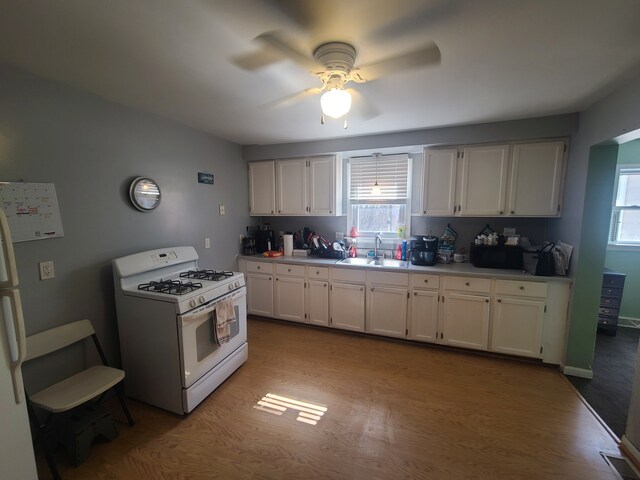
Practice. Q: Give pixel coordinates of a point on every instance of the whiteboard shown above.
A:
(32, 210)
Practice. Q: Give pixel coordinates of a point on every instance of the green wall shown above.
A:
(588, 278)
(628, 261)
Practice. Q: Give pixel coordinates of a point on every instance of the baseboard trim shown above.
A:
(578, 372)
(630, 451)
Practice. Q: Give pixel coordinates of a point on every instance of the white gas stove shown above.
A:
(175, 348)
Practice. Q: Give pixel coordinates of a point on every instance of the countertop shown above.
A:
(458, 269)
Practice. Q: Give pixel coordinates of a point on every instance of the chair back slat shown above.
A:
(56, 338)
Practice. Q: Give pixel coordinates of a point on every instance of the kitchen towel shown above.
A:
(225, 315)
(288, 244)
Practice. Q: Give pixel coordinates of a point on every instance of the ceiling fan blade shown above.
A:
(429, 55)
(366, 109)
(256, 60)
(279, 44)
(291, 99)
(300, 12)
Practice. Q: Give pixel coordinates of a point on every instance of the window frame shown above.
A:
(367, 238)
(613, 243)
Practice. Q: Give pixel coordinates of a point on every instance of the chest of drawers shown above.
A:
(610, 298)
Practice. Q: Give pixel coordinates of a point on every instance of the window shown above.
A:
(379, 210)
(625, 212)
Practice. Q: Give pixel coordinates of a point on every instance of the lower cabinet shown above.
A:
(347, 306)
(465, 321)
(260, 294)
(387, 314)
(518, 317)
(289, 299)
(423, 324)
(318, 302)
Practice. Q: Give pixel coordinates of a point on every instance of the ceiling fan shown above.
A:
(334, 63)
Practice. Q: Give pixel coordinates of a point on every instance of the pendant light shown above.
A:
(335, 102)
(376, 191)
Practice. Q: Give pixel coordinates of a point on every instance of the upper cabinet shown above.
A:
(523, 179)
(262, 192)
(300, 186)
(536, 179)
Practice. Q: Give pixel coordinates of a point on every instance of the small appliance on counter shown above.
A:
(424, 250)
(248, 246)
(265, 241)
(496, 256)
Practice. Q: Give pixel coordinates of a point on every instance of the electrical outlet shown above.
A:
(46, 270)
(207, 242)
(221, 210)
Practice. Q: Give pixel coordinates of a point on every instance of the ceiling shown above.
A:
(501, 59)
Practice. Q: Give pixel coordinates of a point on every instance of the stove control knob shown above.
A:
(231, 286)
(192, 302)
(201, 299)
(237, 284)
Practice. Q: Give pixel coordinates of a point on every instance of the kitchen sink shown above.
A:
(355, 261)
(389, 262)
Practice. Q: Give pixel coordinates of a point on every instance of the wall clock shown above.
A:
(145, 194)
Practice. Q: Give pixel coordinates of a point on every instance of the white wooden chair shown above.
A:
(75, 390)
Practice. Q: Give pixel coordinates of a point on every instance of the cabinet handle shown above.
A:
(415, 294)
(372, 289)
(521, 288)
(467, 283)
(459, 207)
(513, 212)
(317, 272)
(501, 212)
(325, 285)
(277, 279)
(486, 300)
(271, 211)
(426, 281)
(258, 267)
(424, 212)
(269, 278)
(288, 269)
(499, 300)
(279, 211)
(330, 211)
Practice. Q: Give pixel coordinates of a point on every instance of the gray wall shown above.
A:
(91, 149)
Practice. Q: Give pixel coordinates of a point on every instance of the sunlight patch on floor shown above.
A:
(308, 413)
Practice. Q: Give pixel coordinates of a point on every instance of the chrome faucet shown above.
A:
(378, 241)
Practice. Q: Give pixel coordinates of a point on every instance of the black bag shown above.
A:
(546, 266)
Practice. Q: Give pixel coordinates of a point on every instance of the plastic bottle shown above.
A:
(404, 249)
(399, 253)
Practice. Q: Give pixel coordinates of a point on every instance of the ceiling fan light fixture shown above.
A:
(335, 102)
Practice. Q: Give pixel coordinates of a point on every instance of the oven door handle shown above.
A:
(191, 317)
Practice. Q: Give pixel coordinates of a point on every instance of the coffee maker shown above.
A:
(265, 241)
(424, 250)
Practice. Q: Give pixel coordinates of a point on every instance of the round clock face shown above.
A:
(145, 194)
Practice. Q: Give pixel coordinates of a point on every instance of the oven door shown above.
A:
(199, 349)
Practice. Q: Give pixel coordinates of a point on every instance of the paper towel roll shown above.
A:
(288, 244)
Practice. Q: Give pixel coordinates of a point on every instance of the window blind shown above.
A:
(391, 172)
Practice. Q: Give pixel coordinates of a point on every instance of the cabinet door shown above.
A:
(387, 314)
(536, 179)
(439, 182)
(347, 306)
(260, 294)
(466, 320)
(322, 186)
(424, 315)
(318, 302)
(517, 326)
(292, 186)
(483, 184)
(289, 299)
(262, 188)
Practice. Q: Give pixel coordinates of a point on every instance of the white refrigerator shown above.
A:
(16, 447)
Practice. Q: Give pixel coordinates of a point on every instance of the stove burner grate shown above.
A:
(172, 287)
(206, 275)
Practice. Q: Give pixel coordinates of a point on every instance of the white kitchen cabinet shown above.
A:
(518, 318)
(439, 181)
(347, 303)
(289, 292)
(291, 186)
(262, 188)
(423, 314)
(482, 185)
(324, 185)
(465, 312)
(318, 302)
(536, 179)
(260, 294)
(387, 313)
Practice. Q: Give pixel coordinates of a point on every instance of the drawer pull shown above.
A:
(521, 287)
(467, 284)
(258, 267)
(486, 300)
(415, 294)
(325, 285)
(426, 280)
(288, 269)
(317, 272)
(499, 300)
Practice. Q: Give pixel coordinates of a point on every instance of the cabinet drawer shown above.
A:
(425, 281)
(514, 288)
(291, 270)
(468, 284)
(607, 322)
(259, 267)
(388, 278)
(347, 275)
(321, 273)
(608, 312)
(610, 302)
(612, 281)
(611, 292)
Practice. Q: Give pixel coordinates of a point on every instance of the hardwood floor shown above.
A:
(393, 411)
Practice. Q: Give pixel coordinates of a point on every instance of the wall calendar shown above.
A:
(32, 210)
